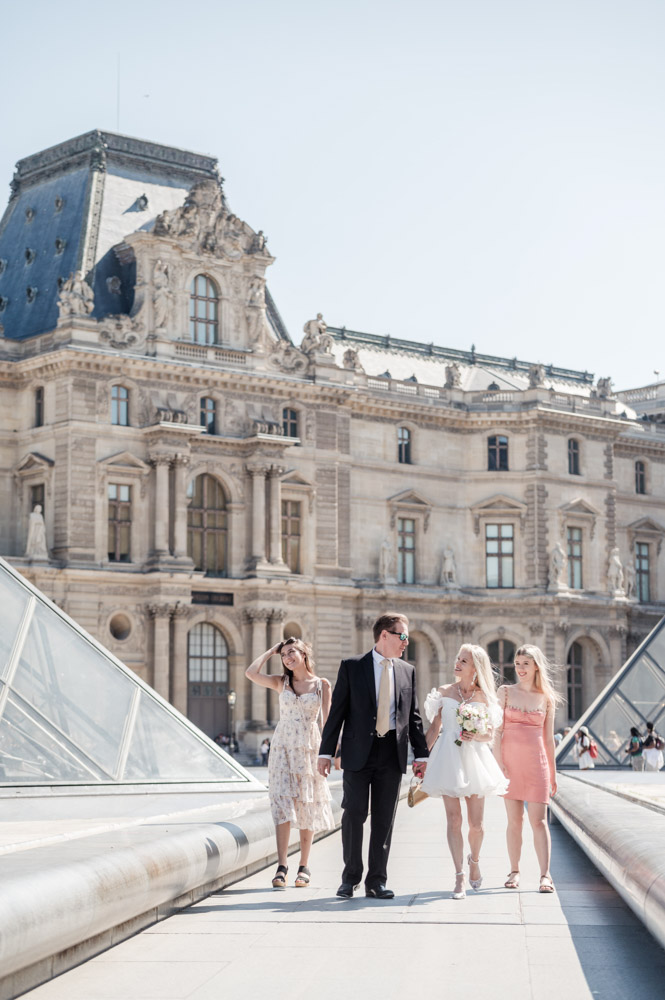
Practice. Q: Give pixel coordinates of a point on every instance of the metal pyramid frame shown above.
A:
(72, 714)
(634, 696)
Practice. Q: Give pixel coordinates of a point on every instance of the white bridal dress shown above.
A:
(460, 771)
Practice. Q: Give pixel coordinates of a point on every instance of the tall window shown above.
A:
(207, 655)
(37, 496)
(404, 445)
(119, 522)
(204, 302)
(120, 406)
(573, 457)
(207, 525)
(497, 453)
(39, 406)
(642, 571)
(406, 550)
(640, 477)
(574, 558)
(574, 677)
(208, 414)
(290, 422)
(499, 555)
(291, 534)
(502, 654)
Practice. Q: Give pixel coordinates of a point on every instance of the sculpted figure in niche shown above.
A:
(162, 295)
(385, 561)
(36, 545)
(630, 579)
(557, 564)
(316, 336)
(76, 296)
(615, 573)
(453, 376)
(448, 578)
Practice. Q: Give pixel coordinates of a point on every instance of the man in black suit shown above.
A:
(375, 702)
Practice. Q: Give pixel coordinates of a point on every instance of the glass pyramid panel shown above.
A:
(71, 713)
(634, 696)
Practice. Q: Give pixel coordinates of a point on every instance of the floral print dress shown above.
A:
(298, 793)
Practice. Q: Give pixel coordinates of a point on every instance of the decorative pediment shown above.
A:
(32, 463)
(409, 502)
(646, 530)
(292, 482)
(499, 505)
(578, 511)
(293, 478)
(125, 462)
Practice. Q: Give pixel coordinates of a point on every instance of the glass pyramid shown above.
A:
(71, 713)
(634, 696)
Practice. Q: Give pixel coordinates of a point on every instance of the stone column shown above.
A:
(179, 671)
(180, 466)
(275, 635)
(275, 540)
(161, 652)
(257, 618)
(162, 506)
(258, 551)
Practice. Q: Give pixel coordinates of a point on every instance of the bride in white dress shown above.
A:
(468, 771)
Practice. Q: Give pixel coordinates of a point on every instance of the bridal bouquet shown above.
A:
(472, 719)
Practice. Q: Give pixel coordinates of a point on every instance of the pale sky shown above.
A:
(487, 172)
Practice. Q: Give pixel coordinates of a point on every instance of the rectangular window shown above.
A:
(37, 496)
(119, 522)
(208, 414)
(39, 407)
(404, 445)
(406, 550)
(290, 423)
(499, 555)
(497, 454)
(640, 478)
(573, 457)
(120, 406)
(642, 572)
(575, 558)
(291, 534)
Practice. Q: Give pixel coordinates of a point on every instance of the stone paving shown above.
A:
(251, 942)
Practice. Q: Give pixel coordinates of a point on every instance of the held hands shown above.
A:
(323, 767)
(419, 768)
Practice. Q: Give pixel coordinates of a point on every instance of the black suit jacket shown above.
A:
(354, 708)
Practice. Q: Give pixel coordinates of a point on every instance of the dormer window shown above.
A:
(204, 306)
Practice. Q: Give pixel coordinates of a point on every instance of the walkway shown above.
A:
(251, 943)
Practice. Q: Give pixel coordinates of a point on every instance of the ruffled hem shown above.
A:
(462, 771)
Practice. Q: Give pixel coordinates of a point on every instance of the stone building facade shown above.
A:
(190, 486)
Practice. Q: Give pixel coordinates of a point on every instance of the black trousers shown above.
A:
(381, 776)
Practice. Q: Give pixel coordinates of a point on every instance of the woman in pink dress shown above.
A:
(525, 751)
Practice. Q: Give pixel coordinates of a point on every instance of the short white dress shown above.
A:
(460, 771)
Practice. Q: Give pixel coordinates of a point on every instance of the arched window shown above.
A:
(573, 457)
(640, 477)
(208, 679)
(575, 660)
(404, 445)
(204, 304)
(502, 654)
(207, 525)
(208, 415)
(120, 406)
(497, 453)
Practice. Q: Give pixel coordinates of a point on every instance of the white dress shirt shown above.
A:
(378, 670)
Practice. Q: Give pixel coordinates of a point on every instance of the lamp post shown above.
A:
(231, 699)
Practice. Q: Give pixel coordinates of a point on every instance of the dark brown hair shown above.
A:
(386, 621)
(306, 650)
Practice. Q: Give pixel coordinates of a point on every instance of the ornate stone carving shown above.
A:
(204, 224)
(448, 575)
(121, 331)
(615, 574)
(276, 615)
(536, 375)
(618, 631)
(630, 579)
(255, 315)
(252, 615)
(536, 628)
(316, 339)
(36, 545)
(562, 626)
(557, 567)
(351, 360)
(453, 376)
(287, 357)
(162, 296)
(76, 297)
(604, 387)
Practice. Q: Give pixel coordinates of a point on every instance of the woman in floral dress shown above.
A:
(299, 796)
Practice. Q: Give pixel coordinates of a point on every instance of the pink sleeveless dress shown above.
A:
(523, 755)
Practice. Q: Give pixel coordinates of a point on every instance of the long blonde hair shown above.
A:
(485, 678)
(543, 679)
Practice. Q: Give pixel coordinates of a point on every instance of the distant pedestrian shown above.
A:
(265, 752)
(652, 749)
(584, 758)
(634, 750)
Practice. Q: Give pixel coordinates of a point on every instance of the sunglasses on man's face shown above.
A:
(402, 635)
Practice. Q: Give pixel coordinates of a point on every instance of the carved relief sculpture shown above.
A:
(120, 331)
(615, 574)
(162, 295)
(557, 567)
(36, 545)
(287, 357)
(76, 297)
(448, 577)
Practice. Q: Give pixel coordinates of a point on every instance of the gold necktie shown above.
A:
(383, 706)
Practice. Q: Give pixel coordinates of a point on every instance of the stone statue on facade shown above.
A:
(162, 295)
(352, 360)
(385, 561)
(287, 357)
(204, 224)
(604, 387)
(615, 574)
(258, 243)
(76, 297)
(448, 577)
(453, 376)
(36, 544)
(255, 315)
(630, 579)
(536, 376)
(316, 339)
(556, 579)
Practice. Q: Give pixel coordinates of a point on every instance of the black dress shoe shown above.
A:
(379, 892)
(346, 890)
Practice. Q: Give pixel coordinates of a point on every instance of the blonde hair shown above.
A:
(543, 679)
(485, 678)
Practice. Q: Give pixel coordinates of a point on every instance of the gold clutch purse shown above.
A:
(415, 794)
